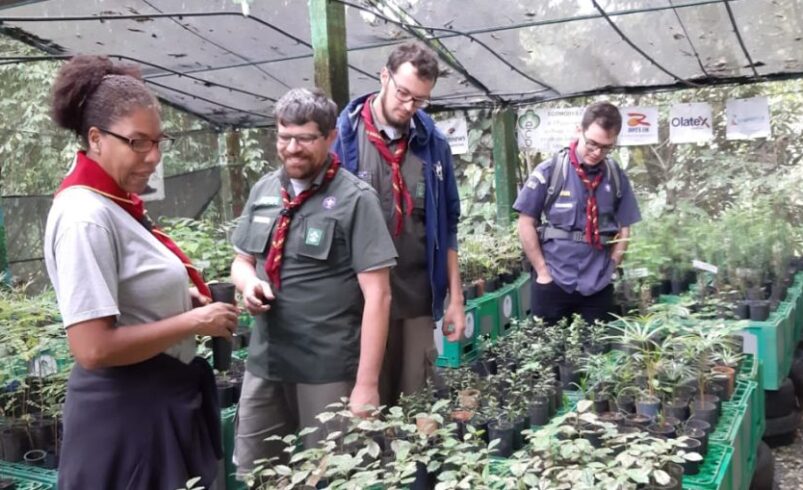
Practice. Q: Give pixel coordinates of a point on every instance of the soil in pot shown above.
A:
(704, 411)
(637, 420)
(461, 418)
(502, 430)
(664, 430)
(677, 408)
(426, 425)
(616, 418)
(649, 406)
(699, 424)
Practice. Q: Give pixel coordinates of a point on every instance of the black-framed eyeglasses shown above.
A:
(142, 145)
(301, 139)
(593, 146)
(403, 95)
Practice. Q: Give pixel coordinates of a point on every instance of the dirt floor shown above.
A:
(789, 464)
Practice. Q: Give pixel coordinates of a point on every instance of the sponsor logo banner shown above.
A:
(690, 123)
(748, 118)
(639, 126)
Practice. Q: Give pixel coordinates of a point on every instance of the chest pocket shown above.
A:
(317, 238)
(563, 214)
(263, 219)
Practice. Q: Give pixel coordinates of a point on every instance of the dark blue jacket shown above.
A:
(442, 202)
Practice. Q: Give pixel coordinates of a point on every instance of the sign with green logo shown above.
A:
(314, 236)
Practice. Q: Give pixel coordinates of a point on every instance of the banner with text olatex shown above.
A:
(548, 130)
(639, 126)
(690, 123)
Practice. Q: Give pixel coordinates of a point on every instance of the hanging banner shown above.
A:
(639, 126)
(748, 118)
(456, 132)
(690, 123)
(548, 130)
(155, 190)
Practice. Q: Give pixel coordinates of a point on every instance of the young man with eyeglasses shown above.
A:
(387, 140)
(587, 206)
(313, 260)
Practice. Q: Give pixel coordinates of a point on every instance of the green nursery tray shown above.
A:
(29, 477)
(716, 470)
(462, 352)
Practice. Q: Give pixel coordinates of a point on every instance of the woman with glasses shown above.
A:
(141, 410)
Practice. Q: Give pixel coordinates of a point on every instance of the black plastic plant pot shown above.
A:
(698, 435)
(637, 420)
(616, 418)
(672, 485)
(675, 471)
(655, 291)
(423, 479)
(15, 443)
(742, 310)
(539, 412)
(491, 285)
(35, 457)
(663, 430)
(704, 411)
(469, 292)
(649, 406)
(502, 430)
(685, 391)
(679, 286)
(569, 377)
(43, 433)
(711, 398)
(691, 446)
(720, 386)
(759, 310)
(480, 424)
(221, 353)
(677, 408)
(244, 334)
(666, 286)
(602, 403)
(519, 426)
(626, 404)
(699, 424)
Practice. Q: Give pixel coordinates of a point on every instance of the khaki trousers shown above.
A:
(409, 358)
(268, 408)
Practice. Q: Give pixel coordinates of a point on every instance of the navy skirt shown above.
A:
(148, 426)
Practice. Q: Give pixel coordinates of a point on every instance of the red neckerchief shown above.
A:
(273, 264)
(592, 213)
(395, 160)
(89, 175)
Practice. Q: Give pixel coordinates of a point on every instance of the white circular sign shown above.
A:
(469, 331)
(507, 306)
(43, 365)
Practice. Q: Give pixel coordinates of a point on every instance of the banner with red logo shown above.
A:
(691, 123)
(639, 126)
(748, 118)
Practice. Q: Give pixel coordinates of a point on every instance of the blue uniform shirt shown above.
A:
(576, 266)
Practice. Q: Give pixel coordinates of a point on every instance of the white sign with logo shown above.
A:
(748, 118)
(456, 132)
(548, 130)
(469, 331)
(507, 306)
(690, 123)
(639, 126)
(155, 190)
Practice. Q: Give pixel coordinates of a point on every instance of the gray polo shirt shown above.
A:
(102, 262)
(311, 334)
(409, 280)
(577, 266)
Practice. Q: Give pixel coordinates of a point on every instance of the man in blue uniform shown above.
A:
(576, 210)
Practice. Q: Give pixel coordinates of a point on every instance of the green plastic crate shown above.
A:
(749, 368)
(227, 430)
(732, 431)
(716, 470)
(462, 352)
(487, 319)
(29, 477)
(773, 347)
(524, 286)
(507, 303)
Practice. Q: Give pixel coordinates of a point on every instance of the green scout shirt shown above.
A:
(409, 280)
(311, 334)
